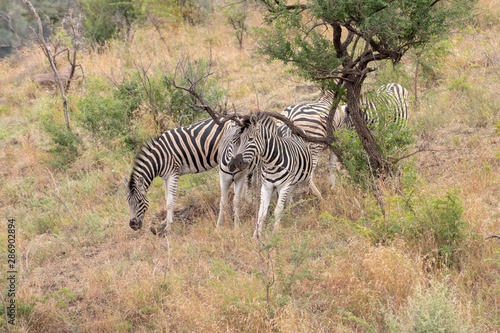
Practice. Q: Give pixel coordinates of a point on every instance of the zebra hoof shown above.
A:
(160, 231)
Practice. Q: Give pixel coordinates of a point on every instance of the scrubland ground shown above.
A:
(338, 265)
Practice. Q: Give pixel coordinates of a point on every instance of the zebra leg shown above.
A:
(239, 184)
(315, 190)
(225, 184)
(171, 182)
(248, 188)
(289, 198)
(265, 197)
(280, 204)
(332, 164)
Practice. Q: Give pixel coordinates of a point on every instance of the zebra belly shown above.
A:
(187, 169)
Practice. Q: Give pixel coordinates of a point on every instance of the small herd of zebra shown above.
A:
(255, 147)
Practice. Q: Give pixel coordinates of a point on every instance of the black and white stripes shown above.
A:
(286, 162)
(189, 149)
(388, 104)
(312, 118)
(254, 144)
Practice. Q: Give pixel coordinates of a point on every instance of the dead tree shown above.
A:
(39, 39)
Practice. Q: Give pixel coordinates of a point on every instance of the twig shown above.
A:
(256, 94)
(376, 192)
(5, 313)
(493, 236)
(57, 195)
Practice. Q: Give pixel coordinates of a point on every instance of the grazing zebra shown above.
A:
(312, 117)
(391, 99)
(176, 152)
(286, 162)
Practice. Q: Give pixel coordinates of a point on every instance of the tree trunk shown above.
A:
(353, 88)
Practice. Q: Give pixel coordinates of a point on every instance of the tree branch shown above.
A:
(41, 42)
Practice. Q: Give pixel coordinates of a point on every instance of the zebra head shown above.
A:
(251, 146)
(138, 201)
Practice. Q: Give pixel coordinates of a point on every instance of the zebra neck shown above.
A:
(147, 165)
(273, 149)
(135, 176)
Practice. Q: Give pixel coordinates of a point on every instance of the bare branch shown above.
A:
(41, 42)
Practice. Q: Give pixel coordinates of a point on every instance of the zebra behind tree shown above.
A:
(176, 152)
(389, 103)
(312, 118)
(286, 163)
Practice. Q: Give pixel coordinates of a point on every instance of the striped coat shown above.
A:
(176, 152)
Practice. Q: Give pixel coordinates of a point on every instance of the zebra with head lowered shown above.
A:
(390, 103)
(286, 162)
(176, 152)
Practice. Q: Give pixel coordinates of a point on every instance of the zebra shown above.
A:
(392, 98)
(242, 178)
(176, 152)
(312, 118)
(286, 162)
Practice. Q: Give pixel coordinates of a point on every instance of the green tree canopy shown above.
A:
(334, 42)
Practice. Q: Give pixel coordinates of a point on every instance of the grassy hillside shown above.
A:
(338, 265)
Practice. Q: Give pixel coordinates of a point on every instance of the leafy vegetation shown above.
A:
(408, 253)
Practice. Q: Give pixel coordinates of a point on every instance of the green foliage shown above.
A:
(65, 145)
(393, 142)
(114, 115)
(107, 115)
(106, 19)
(436, 226)
(162, 100)
(236, 14)
(193, 12)
(297, 34)
(433, 310)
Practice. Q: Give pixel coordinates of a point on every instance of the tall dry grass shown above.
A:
(81, 268)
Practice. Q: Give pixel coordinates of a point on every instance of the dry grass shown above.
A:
(81, 268)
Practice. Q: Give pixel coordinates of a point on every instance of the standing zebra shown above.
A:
(286, 162)
(176, 152)
(242, 178)
(312, 117)
(391, 99)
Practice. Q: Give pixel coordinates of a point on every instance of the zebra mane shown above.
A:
(146, 148)
(260, 116)
(327, 96)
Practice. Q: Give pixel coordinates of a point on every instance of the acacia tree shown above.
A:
(335, 42)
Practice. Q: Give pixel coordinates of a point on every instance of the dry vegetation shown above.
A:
(331, 268)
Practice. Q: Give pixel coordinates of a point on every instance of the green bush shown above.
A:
(392, 141)
(106, 19)
(65, 145)
(160, 99)
(433, 226)
(429, 311)
(116, 114)
(107, 115)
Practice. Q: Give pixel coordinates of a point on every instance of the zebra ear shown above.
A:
(253, 120)
(140, 184)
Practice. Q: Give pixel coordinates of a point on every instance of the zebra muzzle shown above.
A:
(134, 224)
(237, 162)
